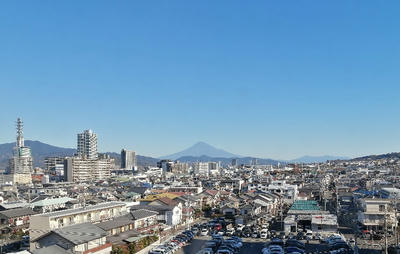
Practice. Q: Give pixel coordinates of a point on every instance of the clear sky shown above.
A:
(274, 79)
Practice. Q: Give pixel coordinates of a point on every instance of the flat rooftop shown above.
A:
(302, 205)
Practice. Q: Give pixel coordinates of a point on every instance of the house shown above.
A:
(228, 211)
(170, 215)
(164, 201)
(14, 219)
(82, 238)
(13, 205)
(144, 218)
(130, 225)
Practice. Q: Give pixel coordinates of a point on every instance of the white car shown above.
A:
(264, 234)
(309, 235)
(230, 231)
(240, 227)
(204, 232)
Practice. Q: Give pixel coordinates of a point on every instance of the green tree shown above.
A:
(117, 250)
(132, 248)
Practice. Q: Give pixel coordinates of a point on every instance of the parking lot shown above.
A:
(255, 243)
(250, 245)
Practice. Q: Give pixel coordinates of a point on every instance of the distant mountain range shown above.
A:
(41, 150)
(199, 152)
(388, 156)
(312, 159)
(204, 152)
(199, 149)
(228, 161)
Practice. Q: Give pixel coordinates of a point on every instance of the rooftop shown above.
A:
(81, 233)
(52, 201)
(82, 209)
(17, 212)
(305, 205)
(53, 249)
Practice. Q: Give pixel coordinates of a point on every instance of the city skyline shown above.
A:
(268, 80)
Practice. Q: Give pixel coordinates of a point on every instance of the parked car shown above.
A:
(195, 230)
(204, 232)
(309, 235)
(264, 234)
(300, 236)
(230, 231)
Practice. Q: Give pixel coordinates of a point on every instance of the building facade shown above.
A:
(21, 164)
(128, 160)
(87, 145)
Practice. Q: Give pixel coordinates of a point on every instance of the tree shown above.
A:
(117, 250)
(132, 248)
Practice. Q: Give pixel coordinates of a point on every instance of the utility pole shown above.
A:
(396, 220)
(386, 243)
(337, 199)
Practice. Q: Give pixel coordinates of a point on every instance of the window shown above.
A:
(381, 208)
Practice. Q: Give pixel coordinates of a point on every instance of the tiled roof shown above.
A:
(116, 222)
(12, 213)
(81, 233)
(142, 213)
(53, 249)
(167, 201)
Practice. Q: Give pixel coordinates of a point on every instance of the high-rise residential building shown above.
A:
(21, 164)
(128, 160)
(87, 145)
(88, 165)
(234, 162)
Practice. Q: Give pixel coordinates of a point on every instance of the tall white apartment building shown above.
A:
(87, 145)
(88, 165)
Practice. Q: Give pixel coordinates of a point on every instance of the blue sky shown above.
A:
(274, 79)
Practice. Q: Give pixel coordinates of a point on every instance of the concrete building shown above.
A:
(288, 191)
(79, 169)
(54, 166)
(88, 165)
(87, 145)
(43, 223)
(201, 168)
(128, 160)
(373, 212)
(21, 164)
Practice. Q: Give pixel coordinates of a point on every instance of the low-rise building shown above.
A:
(80, 239)
(44, 223)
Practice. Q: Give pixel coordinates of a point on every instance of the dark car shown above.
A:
(294, 249)
(276, 241)
(295, 243)
(300, 236)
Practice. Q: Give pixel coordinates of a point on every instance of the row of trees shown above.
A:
(134, 247)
